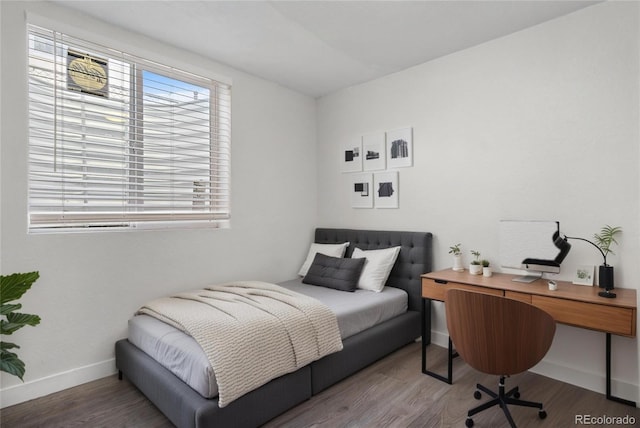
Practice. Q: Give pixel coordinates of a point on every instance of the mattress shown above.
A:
(181, 354)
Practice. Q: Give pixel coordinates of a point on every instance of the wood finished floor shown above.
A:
(390, 393)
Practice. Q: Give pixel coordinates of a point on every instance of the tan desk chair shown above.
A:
(499, 336)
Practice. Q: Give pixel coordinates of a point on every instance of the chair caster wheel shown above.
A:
(516, 395)
(542, 414)
(469, 422)
(477, 396)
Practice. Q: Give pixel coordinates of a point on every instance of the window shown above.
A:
(116, 141)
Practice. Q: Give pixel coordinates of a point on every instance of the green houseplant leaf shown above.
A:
(9, 362)
(13, 287)
(606, 238)
(16, 321)
(8, 308)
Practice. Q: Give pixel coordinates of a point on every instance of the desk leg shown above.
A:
(608, 358)
(424, 334)
(450, 353)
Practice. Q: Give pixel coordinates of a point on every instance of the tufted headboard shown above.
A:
(413, 260)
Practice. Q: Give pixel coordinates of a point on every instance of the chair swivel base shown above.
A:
(502, 399)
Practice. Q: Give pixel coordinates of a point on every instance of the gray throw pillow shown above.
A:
(334, 272)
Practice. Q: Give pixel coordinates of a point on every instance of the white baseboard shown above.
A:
(588, 380)
(440, 339)
(40, 387)
(593, 381)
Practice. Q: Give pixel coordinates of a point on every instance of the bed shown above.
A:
(190, 406)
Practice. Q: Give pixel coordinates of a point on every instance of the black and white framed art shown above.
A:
(361, 191)
(373, 152)
(385, 186)
(400, 148)
(351, 156)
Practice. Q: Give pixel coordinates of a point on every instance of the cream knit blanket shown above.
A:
(251, 331)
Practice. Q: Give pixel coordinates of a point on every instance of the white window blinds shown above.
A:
(119, 142)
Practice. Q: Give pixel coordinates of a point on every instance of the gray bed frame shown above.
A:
(186, 408)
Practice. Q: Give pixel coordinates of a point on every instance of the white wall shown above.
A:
(91, 283)
(540, 125)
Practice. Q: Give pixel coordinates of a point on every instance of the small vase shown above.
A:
(475, 269)
(486, 271)
(457, 263)
(605, 277)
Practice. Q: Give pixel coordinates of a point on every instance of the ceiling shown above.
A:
(318, 47)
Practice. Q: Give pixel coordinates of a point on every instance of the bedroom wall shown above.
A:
(542, 124)
(91, 283)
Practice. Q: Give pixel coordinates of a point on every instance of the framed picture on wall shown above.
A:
(361, 191)
(373, 151)
(386, 189)
(584, 275)
(351, 156)
(400, 148)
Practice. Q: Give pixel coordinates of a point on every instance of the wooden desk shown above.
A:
(570, 304)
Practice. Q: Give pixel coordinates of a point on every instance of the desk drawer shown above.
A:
(515, 295)
(435, 290)
(593, 316)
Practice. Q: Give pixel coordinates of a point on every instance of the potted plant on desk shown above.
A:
(457, 257)
(604, 240)
(486, 268)
(475, 268)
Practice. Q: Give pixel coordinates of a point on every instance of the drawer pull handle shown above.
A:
(441, 281)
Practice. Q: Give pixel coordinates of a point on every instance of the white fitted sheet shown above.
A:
(181, 354)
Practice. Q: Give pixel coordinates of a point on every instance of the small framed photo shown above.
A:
(386, 189)
(351, 156)
(400, 148)
(361, 191)
(584, 275)
(373, 152)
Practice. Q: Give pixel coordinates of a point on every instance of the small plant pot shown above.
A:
(457, 263)
(487, 271)
(605, 277)
(475, 269)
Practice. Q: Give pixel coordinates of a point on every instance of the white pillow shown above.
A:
(377, 267)
(331, 250)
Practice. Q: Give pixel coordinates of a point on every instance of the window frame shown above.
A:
(217, 208)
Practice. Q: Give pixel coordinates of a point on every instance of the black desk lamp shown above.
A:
(605, 272)
(545, 265)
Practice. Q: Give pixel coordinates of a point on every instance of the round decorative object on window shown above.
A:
(87, 74)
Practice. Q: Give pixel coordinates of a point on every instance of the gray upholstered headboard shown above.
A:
(413, 260)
